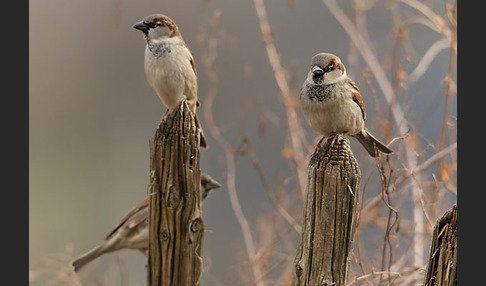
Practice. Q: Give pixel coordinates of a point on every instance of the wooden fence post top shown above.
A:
(442, 266)
(329, 217)
(175, 221)
(338, 154)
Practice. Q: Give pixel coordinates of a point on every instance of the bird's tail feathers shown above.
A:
(87, 257)
(369, 142)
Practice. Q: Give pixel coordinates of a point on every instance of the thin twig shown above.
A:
(426, 164)
(431, 15)
(281, 210)
(450, 89)
(357, 279)
(385, 194)
(426, 60)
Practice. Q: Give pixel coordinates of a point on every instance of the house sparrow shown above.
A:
(169, 66)
(332, 104)
(133, 230)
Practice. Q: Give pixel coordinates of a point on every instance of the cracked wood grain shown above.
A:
(176, 225)
(329, 217)
(442, 266)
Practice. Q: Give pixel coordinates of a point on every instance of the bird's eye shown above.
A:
(329, 68)
(154, 24)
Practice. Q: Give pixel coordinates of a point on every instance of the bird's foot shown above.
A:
(163, 117)
(318, 146)
(145, 252)
(337, 137)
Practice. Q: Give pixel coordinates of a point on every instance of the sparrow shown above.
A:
(332, 103)
(169, 65)
(132, 231)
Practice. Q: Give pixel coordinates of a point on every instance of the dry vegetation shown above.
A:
(417, 183)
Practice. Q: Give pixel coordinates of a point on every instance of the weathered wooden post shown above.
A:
(442, 266)
(176, 225)
(329, 217)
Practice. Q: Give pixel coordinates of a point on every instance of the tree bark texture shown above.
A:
(442, 266)
(329, 217)
(176, 225)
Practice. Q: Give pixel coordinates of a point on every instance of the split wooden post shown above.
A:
(329, 217)
(442, 266)
(176, 225)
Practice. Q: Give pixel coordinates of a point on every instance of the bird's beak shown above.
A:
(141, 26)
(317, 71)
(213, 184)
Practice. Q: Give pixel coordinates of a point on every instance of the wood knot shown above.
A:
(196, 225)
(164, 235)
(298, 270)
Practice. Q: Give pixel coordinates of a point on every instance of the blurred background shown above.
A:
(92, 114)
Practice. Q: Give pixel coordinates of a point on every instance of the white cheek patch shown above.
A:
(334, 80)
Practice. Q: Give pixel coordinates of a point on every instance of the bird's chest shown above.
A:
(321, 93)
(158, 50)
(165, 66)
(165, 59)
(330, 110)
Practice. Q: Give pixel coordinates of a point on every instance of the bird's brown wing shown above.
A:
(191, 59)
(135, 216)
(357, 97)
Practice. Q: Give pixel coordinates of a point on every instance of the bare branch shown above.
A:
(426, 60)
(381, 273)
(281, 210)
(431, 15)
(422, 167)
(294, 127)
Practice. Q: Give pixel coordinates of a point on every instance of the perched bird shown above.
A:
(133, 230)
(169, 66)
(332, 104)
